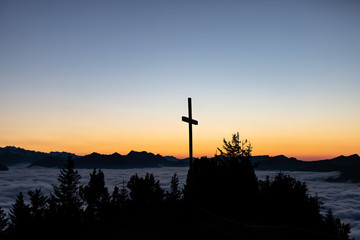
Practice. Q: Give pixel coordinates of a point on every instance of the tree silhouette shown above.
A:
(38, 205)
(95, 195)
(239, 172)
(120, 197)
(287, 202)
(145, 191)
(235, 150)
(65, 201)
(175, 194)
(335, 227)
(20, 215)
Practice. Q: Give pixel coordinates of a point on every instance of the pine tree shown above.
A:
(235, 149)
(66, 194)
(38, 204)
(174, 194)
(20, 215)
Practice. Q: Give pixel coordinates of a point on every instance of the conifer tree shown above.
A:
(20, 214)
(236, 150)
(38, 204)
(174, 194)
(66, 194)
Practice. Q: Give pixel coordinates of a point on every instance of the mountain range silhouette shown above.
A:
(10, 156)
(349, 166)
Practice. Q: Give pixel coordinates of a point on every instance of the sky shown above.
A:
(114, 76)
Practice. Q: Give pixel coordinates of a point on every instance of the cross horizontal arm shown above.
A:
(188, 120)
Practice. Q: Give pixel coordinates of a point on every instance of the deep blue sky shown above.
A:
(112, 76)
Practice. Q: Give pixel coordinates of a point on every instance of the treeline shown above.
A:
(225, 186)
(74, 210)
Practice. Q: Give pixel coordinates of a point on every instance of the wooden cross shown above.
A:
(191, 122)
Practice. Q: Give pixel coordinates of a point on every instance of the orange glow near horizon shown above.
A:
(143, 130)
(318, 149)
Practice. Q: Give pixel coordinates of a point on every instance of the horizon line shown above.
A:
(178, 156)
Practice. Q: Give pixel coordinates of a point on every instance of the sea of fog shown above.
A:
(342, 198)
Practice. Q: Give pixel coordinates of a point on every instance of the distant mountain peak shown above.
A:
(352, 157)
(94, 154)
(132, 153)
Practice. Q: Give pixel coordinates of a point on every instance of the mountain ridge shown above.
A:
(347, 165)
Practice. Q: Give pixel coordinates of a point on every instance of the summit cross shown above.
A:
(191, 122)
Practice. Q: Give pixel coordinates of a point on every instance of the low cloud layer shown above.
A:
(342, 198)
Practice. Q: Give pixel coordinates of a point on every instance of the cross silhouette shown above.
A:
(191, 122)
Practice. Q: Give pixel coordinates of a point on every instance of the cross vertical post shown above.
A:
(191, 122)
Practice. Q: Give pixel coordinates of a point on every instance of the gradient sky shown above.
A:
(114, 76)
